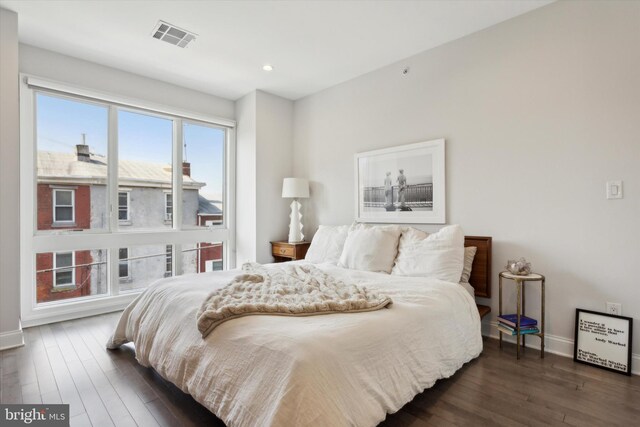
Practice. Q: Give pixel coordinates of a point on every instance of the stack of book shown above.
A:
(507, 324)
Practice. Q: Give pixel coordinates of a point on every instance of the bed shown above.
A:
(333, 370)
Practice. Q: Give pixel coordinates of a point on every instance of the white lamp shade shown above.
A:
(295, 188)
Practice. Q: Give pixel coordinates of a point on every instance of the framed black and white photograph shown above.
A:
(403, 184)
(603, 340)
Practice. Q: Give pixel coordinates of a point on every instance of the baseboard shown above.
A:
(552, 344)
(11, 339)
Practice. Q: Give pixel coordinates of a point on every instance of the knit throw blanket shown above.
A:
(287, 290)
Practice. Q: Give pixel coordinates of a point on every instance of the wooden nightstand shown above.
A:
(285, 251)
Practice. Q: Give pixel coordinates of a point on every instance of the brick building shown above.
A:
(71, 195)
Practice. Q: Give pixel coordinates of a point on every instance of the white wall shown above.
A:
(538, 112)
(265, 156)
(246, 216)
(10, 332)
(275, 162)
(55, 66)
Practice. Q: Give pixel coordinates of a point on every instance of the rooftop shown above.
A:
(65, 168)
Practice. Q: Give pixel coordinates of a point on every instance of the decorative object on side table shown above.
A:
(603, 340)
(295, 188)
(520, 267)
(285, 251)
(518, 324)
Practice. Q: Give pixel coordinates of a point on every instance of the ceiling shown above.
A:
(312, 45)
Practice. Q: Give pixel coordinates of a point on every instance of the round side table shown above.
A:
(520, 282)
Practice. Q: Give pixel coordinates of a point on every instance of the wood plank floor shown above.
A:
(67, 362)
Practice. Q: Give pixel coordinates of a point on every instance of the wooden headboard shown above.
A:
(481, 270)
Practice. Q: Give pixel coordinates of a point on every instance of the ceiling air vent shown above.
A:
(172, 34)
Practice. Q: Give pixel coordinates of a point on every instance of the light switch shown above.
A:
(614, 189)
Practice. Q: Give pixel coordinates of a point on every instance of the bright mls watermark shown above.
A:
(34, 415)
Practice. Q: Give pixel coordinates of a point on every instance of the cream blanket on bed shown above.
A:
(286, 290)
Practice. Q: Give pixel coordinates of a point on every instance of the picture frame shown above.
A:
(402, 184)
(603, 340)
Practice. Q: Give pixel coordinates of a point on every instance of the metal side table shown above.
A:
(520, 283)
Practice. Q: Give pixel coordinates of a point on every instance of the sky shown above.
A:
(61, 123)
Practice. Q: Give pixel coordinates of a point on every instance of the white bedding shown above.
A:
(329, 370)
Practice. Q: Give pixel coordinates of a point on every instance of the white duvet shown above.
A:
(330, 370)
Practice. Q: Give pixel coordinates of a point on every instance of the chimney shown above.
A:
(82, 150)
(186, 169)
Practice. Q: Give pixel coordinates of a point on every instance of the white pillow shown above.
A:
(469, 255)
(370, 248)
(327, 244)
(439, 255)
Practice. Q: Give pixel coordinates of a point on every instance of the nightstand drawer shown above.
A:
(286, 251)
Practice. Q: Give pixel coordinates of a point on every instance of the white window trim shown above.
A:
(35, 241)
(128, 218)
(72, 267)
(54, 199)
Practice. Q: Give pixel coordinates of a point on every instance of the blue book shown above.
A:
(509, 331)
(512, 319)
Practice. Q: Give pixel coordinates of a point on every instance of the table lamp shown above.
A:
(295, 188)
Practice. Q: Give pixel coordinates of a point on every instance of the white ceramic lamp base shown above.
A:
(295, 226)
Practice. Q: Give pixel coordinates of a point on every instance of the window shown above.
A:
(63, 276)
(203, 173)
(213, 265)
(168, 207)
(145, 157)
(168, 264)
(123, 205)
(89, 158)
(71, 163)
(123, 263)
(63, 205)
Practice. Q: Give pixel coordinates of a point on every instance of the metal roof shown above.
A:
(208, 207)
(57, 167)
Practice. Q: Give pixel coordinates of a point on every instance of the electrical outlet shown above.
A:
(614, 308)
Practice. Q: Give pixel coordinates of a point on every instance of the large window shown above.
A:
(124, 195)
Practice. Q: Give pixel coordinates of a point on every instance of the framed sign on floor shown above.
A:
(603, 340)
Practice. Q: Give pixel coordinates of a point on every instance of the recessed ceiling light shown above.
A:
(267, 67)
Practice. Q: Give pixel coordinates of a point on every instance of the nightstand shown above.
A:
(285, 251)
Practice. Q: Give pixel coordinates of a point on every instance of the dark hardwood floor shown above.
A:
(67, 362)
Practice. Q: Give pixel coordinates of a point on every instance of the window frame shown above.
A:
(54, 205)
(34, 241)
(72, 267)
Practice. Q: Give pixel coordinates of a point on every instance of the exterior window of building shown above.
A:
(168, 207)
(63, 205)
(168, 265)
(123, 263)
(63, 276)
(123, 205)
(213, 265)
